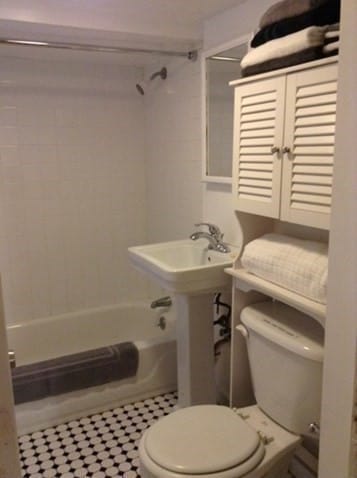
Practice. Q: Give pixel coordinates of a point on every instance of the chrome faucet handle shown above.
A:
(212, 228)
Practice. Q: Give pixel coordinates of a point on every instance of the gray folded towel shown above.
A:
(287, 9)
(326, 14)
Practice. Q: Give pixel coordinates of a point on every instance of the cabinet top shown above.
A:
(283, 71)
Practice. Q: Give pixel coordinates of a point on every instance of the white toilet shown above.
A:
(285, 349)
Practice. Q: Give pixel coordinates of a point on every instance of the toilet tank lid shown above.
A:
(286, 327)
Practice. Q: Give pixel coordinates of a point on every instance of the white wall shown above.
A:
(73, 191)
(173, 149)
(234, 23)
(338, 409)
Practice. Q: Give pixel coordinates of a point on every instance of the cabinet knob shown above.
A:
(275, 149)
(286, 150)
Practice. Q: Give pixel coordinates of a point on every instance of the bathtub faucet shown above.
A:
(162, 302)
(213, 236)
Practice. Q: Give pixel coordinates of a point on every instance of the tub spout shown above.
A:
(162, 302)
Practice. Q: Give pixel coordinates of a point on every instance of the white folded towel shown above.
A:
(280, 47)
(332, 34)
(330, 47)
(296, 264)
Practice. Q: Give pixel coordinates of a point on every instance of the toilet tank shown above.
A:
(285, 349)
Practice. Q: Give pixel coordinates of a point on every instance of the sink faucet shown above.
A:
(214, 237)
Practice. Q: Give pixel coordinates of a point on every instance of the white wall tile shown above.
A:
(9, 136)
(71, 162)
(173, 141)
(8, 115)
(91, 168)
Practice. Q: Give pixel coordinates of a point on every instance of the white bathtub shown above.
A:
(77, 332)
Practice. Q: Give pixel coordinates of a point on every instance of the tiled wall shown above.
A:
(73, 186)
(173, 146)
(89, 167)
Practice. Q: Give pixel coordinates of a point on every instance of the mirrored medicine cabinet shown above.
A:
(219, 66)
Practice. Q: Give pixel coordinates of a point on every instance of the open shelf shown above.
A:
(246, 281)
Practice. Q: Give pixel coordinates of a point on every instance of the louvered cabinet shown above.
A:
(284, 131)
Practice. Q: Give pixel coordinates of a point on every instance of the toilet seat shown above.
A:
(203, 440)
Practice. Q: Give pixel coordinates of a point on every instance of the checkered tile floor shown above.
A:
(99, 446)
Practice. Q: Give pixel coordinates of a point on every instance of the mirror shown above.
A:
(219, 68)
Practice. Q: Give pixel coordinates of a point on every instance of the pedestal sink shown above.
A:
(192, 273)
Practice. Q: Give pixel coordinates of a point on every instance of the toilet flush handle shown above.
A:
(243, 330)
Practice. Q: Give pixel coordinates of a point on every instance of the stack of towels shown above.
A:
(292, 32)
(295, 264)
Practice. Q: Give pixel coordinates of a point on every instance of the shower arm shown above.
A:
(162, 74)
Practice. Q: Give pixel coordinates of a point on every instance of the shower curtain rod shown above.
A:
(190, 55)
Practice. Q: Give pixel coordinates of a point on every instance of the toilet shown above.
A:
(285, 350)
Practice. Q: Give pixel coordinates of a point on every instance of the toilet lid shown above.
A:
(201, 439)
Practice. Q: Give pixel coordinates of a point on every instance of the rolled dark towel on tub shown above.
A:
(75, 372)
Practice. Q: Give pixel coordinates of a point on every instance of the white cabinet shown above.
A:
(284, 129)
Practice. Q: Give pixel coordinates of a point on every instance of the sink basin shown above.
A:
(184, 266)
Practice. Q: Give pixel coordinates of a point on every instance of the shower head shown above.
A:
(161, 73)
(140, 89)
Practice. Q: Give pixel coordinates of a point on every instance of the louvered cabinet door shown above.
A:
(310, 136)
(258, 129)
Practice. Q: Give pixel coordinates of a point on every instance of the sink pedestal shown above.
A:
(195, 349)
(190, 272)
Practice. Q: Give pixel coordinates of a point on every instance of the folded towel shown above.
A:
(287, 9)
(293, 43)
(296, 264)
(333, 27)
(332, 41)
(303, 56)
(325, 14)
(332, 34)
(331, 47)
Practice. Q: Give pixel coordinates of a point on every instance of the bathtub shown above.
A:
(62, 335)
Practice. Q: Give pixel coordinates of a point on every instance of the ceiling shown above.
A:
(156, 24)
(175, 19)
(150, 24)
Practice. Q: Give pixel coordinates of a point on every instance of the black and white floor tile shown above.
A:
(99, 446)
